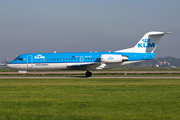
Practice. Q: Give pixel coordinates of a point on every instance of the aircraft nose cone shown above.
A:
(13, 66)
(8, 65)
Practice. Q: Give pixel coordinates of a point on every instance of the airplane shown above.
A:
(143, 50)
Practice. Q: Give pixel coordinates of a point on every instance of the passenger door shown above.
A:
(29, 61)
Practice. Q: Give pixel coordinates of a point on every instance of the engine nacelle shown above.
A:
(111, 58)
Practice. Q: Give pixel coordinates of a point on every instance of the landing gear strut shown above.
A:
(88, 74)
(26, 75)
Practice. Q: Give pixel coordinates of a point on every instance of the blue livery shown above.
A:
(143, 50)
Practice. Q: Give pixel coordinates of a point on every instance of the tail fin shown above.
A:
(147, 44)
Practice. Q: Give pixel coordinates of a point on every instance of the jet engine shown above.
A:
(111, 58)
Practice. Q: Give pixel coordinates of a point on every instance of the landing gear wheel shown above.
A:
(88, 74)
(26, 75)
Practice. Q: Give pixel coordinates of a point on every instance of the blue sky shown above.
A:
(85, 25)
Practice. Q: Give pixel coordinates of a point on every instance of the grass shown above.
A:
(87, 99)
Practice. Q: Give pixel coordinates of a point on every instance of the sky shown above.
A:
(40, 26)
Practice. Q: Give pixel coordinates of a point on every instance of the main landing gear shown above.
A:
(88, 74)
(26, 75)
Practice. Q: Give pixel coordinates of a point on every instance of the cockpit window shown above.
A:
(20, 59)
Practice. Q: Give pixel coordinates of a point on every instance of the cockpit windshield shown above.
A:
(19, 59)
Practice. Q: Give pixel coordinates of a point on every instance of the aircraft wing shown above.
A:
(92, 65)
(83, 66)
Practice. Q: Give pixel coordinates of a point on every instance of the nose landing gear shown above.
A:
(88, 74)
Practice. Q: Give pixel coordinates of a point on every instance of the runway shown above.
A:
(89, 77)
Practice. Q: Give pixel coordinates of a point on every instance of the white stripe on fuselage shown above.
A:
(63, 66)
(45, 66)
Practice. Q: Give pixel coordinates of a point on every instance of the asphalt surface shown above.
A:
(89, 77)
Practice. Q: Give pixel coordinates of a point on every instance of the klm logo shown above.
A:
(146, 40)
(146, 44)
(39, 57)
(110, 58)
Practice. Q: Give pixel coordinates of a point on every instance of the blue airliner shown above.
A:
(143, 50)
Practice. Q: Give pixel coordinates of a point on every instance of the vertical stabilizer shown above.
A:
(147, 43)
